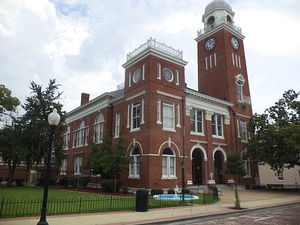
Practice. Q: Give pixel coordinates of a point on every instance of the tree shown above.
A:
(13, 150)
(234, 165)
(109, 160)
(7, 102)
(276, 139)
(37, 107)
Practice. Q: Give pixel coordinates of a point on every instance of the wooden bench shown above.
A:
(275, 186)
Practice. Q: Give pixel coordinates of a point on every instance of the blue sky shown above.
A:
(83, 43)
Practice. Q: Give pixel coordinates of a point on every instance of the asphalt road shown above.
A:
(281, 215)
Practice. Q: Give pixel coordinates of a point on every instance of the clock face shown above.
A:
(234, 43)
(137, 75)
(168, 75)
(210, 44)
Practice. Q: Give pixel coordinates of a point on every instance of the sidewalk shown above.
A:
(250, 199)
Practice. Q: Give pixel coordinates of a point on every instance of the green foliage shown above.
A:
(171, 191)
(234, 164)
(38, 105)
(109, 160)
(7, 102)
(109, 185)
(20, 182)
(186, 191)
(157, 191)
(276, 139)
(124, 189)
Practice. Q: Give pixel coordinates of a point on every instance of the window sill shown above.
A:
(169, 129)
(134, 178)
(218, 137)
(197, 134)
(169, 178)
(134, 130)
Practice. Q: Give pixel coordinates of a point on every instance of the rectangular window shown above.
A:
(158, 71)
(177, 77)
(66, 139)
(63, 168)
(144, 71)
(168, 115)
(280, 176)
(135, 121)
(86, 137)
(77, 165)
(215, 59)
(210, 61)
(159, 111)
(240, 62)
(217, 125)
(178, 115)
(196, 120)
(117, 125)
(232, 57)
(168, 166)
(129, 80)
(239, 92)
(243, 130)
(206, 64)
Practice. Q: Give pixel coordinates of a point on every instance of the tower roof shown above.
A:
(217, 4)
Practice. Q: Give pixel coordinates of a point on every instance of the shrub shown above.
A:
(157, 191)
(84, 181)
(109, 185)
(20, 182)
(124, 189)
(1, 179)
(171, 191)
(186, 191)
(71, 181)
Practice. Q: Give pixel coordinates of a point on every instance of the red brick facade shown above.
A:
(167, 123)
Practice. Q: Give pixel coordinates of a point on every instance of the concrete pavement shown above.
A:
(250, 200)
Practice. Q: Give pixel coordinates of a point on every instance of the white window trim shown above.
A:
(117, 125)
(222, 127)
(172, 129)
(202, 123)
(131, 118)
(159, 71)
(159, 112)
(168, 176)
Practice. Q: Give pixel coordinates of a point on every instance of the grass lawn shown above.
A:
(27, 201)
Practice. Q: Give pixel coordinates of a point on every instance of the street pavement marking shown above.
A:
(264, 218)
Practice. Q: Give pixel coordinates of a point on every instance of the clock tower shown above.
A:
(222, 70)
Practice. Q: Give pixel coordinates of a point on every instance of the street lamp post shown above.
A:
(183, 180)
(53, 120)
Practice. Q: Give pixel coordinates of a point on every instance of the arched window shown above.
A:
(98, 128)
(66, 139)
(168, 163)
(80, 134)
(134, 167)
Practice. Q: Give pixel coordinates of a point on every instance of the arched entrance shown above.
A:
(197, 167)
(218, 164)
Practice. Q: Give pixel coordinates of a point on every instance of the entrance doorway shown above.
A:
(197, 167)
(218, 163)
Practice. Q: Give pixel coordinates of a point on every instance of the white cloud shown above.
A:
(83, 44)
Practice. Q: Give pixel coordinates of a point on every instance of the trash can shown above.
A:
(141, 200)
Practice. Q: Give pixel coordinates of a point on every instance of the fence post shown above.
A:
(2, 202)
(79, 211)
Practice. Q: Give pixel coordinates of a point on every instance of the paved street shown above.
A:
(288, 215)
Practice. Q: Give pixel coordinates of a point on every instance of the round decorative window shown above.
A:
(137, 75)
(168, 75)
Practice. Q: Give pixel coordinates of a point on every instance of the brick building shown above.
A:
(169, 125)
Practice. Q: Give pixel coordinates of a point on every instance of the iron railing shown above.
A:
(12, 207)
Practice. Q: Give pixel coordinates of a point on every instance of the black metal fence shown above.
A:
(12, 207)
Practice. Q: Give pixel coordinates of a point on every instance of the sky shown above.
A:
(83, 43)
